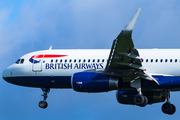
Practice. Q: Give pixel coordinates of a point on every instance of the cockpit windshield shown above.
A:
(20, 61)
(17, 62)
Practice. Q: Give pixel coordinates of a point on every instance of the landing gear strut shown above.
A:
(139, 99)
(167, 107)
(44, 104)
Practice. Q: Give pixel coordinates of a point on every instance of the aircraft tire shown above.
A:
(168, 108)
(139, 100)
(145, 102)
(43, 104)
(173, 110)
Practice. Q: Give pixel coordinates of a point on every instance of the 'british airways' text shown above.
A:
(74, 66)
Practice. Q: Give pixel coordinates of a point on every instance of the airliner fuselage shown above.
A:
(55, 71)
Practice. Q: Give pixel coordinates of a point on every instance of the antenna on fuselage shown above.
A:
(50, 48)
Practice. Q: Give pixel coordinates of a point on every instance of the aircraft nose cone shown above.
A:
(5, 74)
(12, 73)
(8, 73)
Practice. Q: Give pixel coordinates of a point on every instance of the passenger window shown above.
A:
(74, 60)
(102, 60)
(17, 62)
(56, 60)
(156, 60)
(52, 60)
(89, 60)
(79, 60)
(161, 60)
(22, 61)
(84, 60)
(65, 60)
(166, 60)
(175, 60)
(93, 60)
(61, 60)
(170, 60)
(146, 60)
(151, 60)
(70, 60)
(98, 60)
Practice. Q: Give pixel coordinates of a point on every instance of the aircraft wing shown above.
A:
(124, 59)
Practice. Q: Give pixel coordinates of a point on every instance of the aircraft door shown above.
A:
(37, 62)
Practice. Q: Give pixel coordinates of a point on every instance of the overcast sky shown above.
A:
(31, 25)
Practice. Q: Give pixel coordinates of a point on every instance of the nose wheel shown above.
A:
(43, 103)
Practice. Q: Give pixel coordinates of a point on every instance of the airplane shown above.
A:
(140, 76)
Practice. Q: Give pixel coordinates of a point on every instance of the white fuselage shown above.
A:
(155, 62)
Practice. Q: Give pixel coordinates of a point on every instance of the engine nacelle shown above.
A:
(94, 82)
(126, 97)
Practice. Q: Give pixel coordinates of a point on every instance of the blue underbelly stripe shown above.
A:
(165, 82)
(41, 81)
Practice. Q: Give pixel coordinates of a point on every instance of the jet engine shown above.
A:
(95, 82)
(126, 97)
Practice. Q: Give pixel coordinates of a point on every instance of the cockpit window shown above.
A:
(17, 62)
(20, 61)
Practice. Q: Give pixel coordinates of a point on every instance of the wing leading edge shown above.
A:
(124, 59)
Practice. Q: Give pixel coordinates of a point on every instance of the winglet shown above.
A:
(130, 25)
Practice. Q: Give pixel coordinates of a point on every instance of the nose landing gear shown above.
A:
(44, 104)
